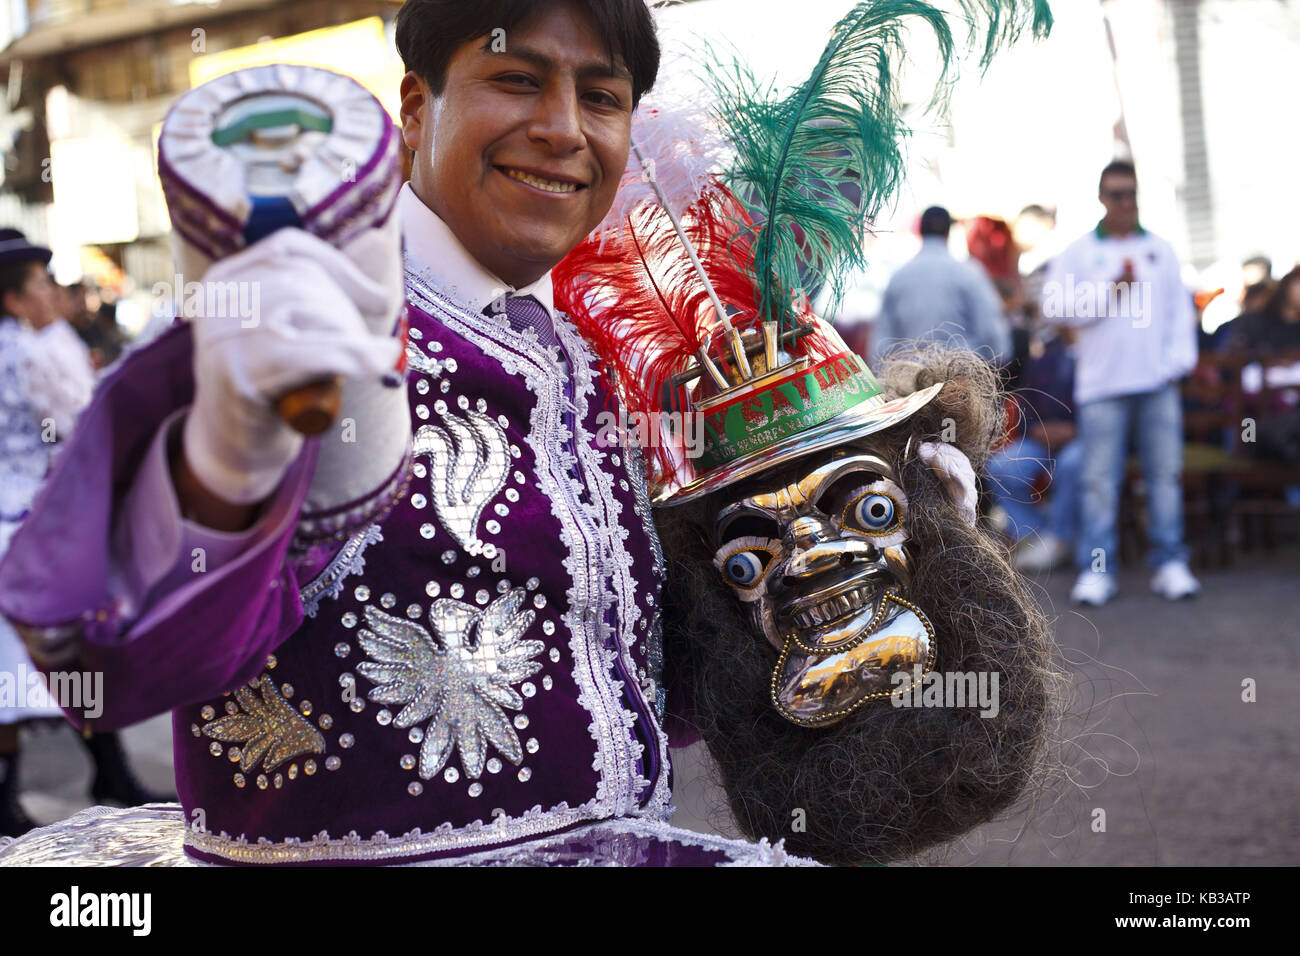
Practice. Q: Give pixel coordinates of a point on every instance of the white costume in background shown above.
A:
(66, 374)
(46, 379)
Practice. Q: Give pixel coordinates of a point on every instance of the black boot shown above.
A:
(13, 821)
(114, 780)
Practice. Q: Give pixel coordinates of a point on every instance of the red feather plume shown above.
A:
(643, 308)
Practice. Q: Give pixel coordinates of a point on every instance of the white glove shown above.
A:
(297, 310)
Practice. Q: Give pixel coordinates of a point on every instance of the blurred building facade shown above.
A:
(1216, 117)
(1198, 91)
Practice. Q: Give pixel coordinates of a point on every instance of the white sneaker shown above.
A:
(1041, 554)
(1093, 587)
(1174, 581)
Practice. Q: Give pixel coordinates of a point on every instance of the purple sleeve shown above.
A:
(155, 550)
(103, 564)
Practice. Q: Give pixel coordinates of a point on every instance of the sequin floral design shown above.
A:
(266, 728)
(469, 460)
(461, 683)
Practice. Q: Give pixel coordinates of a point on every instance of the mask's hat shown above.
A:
(776, 398)
(700, 282)
(756, 390)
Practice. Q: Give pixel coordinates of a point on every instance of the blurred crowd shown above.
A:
(1119, 402)
(53, 341)
(91, 311)
(1124, 414)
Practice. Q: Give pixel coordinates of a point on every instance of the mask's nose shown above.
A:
(816, 548)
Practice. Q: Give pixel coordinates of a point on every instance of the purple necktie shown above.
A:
(525, 312)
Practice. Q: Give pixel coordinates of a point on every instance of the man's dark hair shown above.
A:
(935, 221)
(1117, 166)
(1277, 303)
(1261, 262)
(15, 275)
(430, 31)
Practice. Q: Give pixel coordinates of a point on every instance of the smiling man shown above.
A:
(522, 133)
(477, 678)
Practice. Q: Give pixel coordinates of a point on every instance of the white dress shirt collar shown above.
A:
(432, 248)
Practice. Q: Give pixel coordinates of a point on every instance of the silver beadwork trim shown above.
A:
(637, 473)
(349, 561)
(618, 566)
(380, 847)
(314, 529)
(588, 598)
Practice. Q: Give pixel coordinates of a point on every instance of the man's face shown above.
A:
(522, 152)
(1119, 196)
(38, 301)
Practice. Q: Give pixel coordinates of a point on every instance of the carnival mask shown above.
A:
(819, 561)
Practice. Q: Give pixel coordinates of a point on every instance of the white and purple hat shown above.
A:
(272, 146)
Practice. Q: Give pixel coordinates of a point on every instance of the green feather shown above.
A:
(840, 130)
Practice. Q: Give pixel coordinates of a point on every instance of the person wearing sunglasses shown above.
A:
(1119, 289)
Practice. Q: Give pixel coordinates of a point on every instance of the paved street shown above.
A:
(1186, 772)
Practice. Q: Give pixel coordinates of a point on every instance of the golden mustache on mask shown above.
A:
(821, 567)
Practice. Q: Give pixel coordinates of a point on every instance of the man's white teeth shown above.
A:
(833, 608)
(549, 185)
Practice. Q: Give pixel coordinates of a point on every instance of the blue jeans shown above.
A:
(1013, 472)
(1103, 432)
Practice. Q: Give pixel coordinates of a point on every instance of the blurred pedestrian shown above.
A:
(105, 335)
(990, 243)
(41, 391)
(1257, 289)
(1119, 287)
(1036, 239)
(1043, 448)
(934, 297)
(1275, 327)
(67, 364)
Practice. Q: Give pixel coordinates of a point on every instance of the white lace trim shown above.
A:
(613, 535)
(155, 836)
(349, 561)
(588, 598)
(380, 847)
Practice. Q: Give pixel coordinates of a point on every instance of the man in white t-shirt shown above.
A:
(1119, 288)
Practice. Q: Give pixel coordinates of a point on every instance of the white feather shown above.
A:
(679, 136)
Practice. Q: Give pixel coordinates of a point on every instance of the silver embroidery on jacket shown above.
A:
(266, 727)
(621, 589)
(588, 600)
(590, 596)
(349, 561)
(461, 683)
(471, 456)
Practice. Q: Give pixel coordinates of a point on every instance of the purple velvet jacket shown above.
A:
(465, 660)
